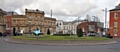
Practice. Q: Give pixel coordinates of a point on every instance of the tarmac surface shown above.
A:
(13, 47)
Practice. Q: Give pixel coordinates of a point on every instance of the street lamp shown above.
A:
(51, 23)
(105, 10)
(78, 20)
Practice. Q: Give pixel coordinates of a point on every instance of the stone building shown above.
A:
(65, 27)
(19, 22)
(33, 19)
(2, 21)
(49, 23)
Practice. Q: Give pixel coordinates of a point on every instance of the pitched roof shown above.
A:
(11, 13)
(48, 18)
(18, 16)
(116, 8)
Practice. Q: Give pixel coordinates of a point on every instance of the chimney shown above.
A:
(26, 9)
(37, 10)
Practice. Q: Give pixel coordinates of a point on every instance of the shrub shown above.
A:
(108, 36)
(79, 32)
(61, 34)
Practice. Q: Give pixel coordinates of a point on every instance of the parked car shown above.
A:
(5, 34)
(0, 34)
(91, 34)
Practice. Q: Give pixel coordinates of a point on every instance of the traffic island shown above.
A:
(66, 41)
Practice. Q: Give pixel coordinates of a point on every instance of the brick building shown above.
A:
(115, 21)
(8, 24)
(90, 26)
(8, 21)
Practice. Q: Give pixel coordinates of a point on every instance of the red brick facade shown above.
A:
(8, 24)
(115, 28)
(85, 25)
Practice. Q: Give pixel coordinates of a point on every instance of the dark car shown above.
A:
(0, 34)
(5, 34)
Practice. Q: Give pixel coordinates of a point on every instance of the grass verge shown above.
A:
(44, 37)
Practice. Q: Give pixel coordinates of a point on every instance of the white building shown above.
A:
(65, 27)
(59, 26)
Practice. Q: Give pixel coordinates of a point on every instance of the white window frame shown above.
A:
(115, 24)
(36, 23)
(115, 14)
(115, 32)
(30, 17)
(29, 22)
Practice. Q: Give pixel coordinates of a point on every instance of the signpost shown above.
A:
(37, 32)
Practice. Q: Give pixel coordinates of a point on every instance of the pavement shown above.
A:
(59, 43)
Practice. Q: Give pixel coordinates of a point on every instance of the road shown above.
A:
(9, 47)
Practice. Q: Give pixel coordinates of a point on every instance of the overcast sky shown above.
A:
(66, 10)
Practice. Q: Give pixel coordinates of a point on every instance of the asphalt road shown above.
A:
(9, 47)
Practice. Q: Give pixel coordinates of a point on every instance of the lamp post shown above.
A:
(78, 20)
(51, 23)
(105, 10)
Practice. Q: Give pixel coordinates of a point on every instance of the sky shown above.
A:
(66, 10)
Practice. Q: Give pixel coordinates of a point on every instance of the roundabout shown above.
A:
(56, 41)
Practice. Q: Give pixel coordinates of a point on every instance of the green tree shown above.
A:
(48, 32)
(79, 32)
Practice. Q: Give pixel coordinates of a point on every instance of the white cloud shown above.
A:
(62, 9)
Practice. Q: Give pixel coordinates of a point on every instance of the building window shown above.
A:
(45, 30)
(36, 23)
(6, 25)
(40, 17)
(36, 18)
(40, 23)
(29, 22)
(14, 21)
(51, 23)
(60, 24)
(30, 30)
(115, 14)
(64, 27)
(30, 17)
(115, 32)
(115, 24)
(23, 22)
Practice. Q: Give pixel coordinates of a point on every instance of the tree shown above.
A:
(48, 31)
(79, 32)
